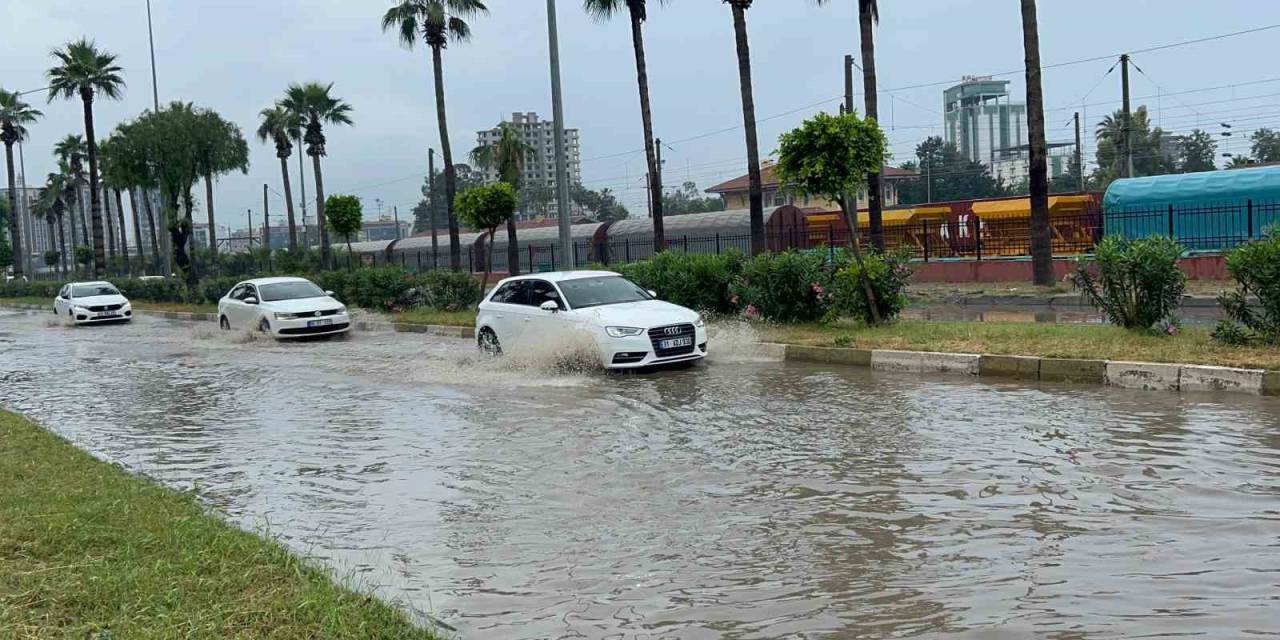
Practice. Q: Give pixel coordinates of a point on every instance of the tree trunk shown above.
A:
(488, 261)
(288, 204)
(95, 202)
(62, 242)
(84, 221)
(53, 234)
(15, 234)
(72, 225)
(450, 177)
(646, 119)
(875, 205)
(124, 239)
(1041, 242)
(110, 230)
(513, 251)
(151, 222)
(755, 196)
(324, 229)
(850, 212)
(208, 205)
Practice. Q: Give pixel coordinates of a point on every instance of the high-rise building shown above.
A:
(540, 163)
(988, 127)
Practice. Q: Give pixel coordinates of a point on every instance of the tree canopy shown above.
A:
(486, 207)
(1199, 152)
(687, 199)
(1149, 156)
(946, 174)
(601, 205)
(830, 155)
(344, 215)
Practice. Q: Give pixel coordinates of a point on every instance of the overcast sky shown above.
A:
(236, 56)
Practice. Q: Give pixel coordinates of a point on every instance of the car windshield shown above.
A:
(593, 292)
(289, 291)
(90, 290)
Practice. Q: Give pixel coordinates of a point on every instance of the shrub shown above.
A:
(34, 288)
(694, 280)
(1137, 282)
(1256, 268)
(791, 286)
(444, 291)
(888, 273)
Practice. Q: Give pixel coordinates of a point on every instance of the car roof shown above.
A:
(90, 283)
(275, 280)
(562, 276)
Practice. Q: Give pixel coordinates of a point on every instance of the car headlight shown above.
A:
(699, 321)
(79, 309)
(285, 316)
(623, 332)
(342, 310)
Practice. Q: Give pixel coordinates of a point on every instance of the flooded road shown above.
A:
(739, 499)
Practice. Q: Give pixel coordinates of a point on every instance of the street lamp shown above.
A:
(557, 114)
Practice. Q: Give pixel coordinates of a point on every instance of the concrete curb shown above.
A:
(1150, 376)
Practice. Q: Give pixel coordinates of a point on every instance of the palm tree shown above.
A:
(440, 22)
(754, 194)
(312, 103)
(15, 115)
(277, 126)
(221, 149)
(115, 178)
(637, 10)
(85, 71)
(43, 208)
(868, 18)
(54, 195)
(1041, 241)
(70, 153)
(507, 157)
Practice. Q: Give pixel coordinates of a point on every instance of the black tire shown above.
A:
(264, 326)
(488, 342)
(224, 324)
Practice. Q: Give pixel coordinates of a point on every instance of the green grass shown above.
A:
(1190, 346)
(89, 551)
(430, 316)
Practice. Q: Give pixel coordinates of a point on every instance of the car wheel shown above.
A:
(224, 324)
(264, 326)
(488, 342)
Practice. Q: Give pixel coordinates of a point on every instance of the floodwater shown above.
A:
(737, 499)
(1066, 314)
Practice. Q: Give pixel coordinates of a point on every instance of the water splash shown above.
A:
(734, 341)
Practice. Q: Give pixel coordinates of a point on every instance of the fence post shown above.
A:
(977, 236)
(686, 243)
(626, 245)
(831, 243)
(1249, 208)
(924, 226)
(1171, 236)
(575, 256)
(553, 257)
(717, 243)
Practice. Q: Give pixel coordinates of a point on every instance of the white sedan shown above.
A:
(283, 307)
(631, 327)
(91, 303)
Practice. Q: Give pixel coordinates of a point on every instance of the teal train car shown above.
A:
(1207, 211)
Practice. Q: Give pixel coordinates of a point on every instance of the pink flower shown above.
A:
(817, 288)
(752, 311)
(734, 300)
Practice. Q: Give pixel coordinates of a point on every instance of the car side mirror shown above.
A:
(328, 293)
(653, 293)
(550, 305)
(251, 300)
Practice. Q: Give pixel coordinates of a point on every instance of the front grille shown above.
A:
(106, 307)
(658, 334)
(303, 331)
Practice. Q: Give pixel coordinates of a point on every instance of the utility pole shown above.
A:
(1126, 125)
(1079, 152)
(266, 219)
(648, 194)
(431, 205)
(151, 41)
(250, 213)
(557, 113)
(657, 147)
(395, 211)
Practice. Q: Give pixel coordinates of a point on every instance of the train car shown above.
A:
(915, 227)
(1207, 211)
(538, 247)
(632, 239)
(415, 253)
(1074, 224)
(370, 254)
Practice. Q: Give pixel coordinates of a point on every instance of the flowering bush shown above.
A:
(791, 286)
(888, 273)
(1136, 283)
(694, 280)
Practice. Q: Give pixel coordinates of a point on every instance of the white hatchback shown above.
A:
(92, 303)
(283, 307)
(632, 328)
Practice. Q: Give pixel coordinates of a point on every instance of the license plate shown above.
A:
(675, 343)
(319, 323)
(105, 314)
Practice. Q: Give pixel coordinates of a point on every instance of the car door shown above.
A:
(61, 303)
(540, 323)
(230, 305)
(248, 313)
(507, 308)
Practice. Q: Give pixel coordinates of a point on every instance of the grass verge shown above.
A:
(1191, 345)
(431, 316)
(89, 551)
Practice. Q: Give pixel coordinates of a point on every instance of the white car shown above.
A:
(92, 303)
(632, 328)
(283, 307)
